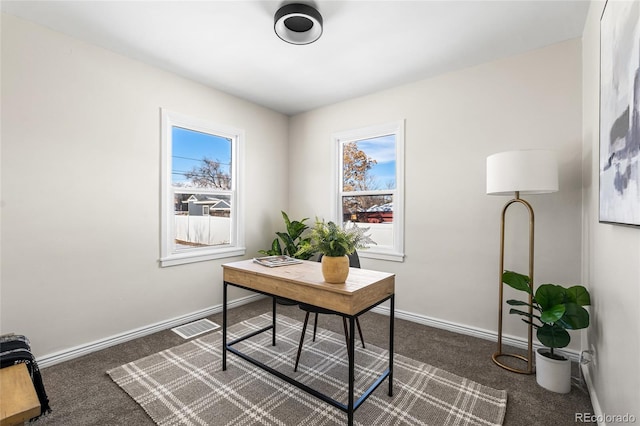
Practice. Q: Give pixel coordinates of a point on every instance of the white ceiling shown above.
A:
(366, 45)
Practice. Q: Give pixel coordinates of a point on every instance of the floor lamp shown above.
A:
(519, 172)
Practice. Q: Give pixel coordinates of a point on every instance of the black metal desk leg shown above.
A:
(273, 338)
(352, 362)
(391, 321)
(224, 326)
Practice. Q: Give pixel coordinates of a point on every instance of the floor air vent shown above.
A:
(192, 329)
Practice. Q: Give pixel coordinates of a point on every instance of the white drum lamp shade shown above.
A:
(526, 172)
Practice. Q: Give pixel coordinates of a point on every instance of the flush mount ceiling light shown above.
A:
(298, 23)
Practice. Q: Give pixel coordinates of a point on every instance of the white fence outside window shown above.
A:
(204, 230)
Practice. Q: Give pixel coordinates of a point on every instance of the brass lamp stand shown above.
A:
(499, 353)
(519, 172)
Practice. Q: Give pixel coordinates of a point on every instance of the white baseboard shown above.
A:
(595, 403)
(469, 331)
(78, 351)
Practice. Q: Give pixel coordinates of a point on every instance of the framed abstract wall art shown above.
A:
(619, 163)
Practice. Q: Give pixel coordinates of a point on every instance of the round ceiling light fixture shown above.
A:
(298, 23)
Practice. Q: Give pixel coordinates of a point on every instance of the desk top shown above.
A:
(303, 282)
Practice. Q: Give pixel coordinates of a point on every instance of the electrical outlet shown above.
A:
(587, 356)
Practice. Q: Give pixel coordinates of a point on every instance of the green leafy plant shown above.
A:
(289, 242)
(556, 309)
(334, 241)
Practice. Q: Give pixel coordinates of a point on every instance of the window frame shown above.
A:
(236, 247)
(396, 251)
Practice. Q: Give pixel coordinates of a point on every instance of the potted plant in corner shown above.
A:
(335, 244)
(558, 309)
(289, 243)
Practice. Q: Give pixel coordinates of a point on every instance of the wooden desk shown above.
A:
(303, 282)
(18, 399)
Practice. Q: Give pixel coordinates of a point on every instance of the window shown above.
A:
(370, 192)
(201, 210)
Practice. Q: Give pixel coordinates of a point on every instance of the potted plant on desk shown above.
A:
(335, 244)
(559, 309)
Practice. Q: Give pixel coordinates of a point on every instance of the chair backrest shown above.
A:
(354, 259)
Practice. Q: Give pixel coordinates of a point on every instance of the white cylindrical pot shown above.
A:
(553, 374)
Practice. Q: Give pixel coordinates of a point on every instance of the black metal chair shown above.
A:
(354, 262)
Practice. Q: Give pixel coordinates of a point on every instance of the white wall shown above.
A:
(453, 122)
(611, 262)
(80, 129)
(81, 186)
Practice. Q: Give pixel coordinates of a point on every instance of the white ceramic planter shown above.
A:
(553, 374)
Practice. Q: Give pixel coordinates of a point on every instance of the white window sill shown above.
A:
(390, 255)
(195, 256)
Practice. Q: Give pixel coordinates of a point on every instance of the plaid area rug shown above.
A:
(185, 385)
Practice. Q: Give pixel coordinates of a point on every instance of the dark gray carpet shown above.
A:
(81, 393)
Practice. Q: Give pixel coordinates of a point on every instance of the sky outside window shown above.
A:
(189, 147)
(383, 150)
